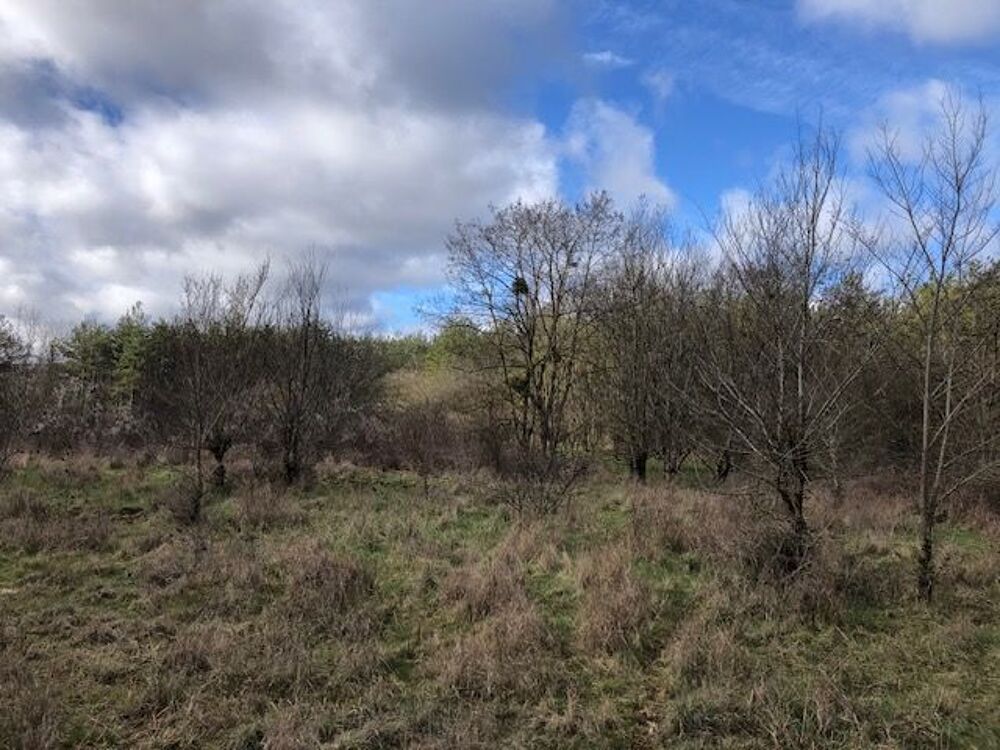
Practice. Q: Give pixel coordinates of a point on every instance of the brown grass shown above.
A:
(260, 508)
(748, 540)
(30, 716)
(370, 617)
(484, 587)
(324, 590)
(290, 728)
(617, 604)
(503, 656)
(28, 524)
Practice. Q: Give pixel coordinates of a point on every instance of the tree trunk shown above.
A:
(837, 484)
(637, 465)
(926, 573)
(797, 548)
(292, 468)
(199, 485)
(219, 475)
(724, 466)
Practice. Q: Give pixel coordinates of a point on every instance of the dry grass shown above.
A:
(497, 581)
(260, 508)
(290, 728)
(853, 555)
(323, 590)
(30, 525)
(503, 656)
(360, 615)
(30, 718)
(617, 604)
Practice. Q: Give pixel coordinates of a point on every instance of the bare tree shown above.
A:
(26, 381)
(763, 364)
(426, 438)
(644, 344)
(296, 373)
(197, 371)
(526, 279)
(854, 317)
(15, 359)
(630, 333)
(316, 380)
(943, 201)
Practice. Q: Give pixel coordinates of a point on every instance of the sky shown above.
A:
(145, 140)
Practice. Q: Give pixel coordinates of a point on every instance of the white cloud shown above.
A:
(661, 83)
(735, 201)
(913, 114)
(607, 59)
(253, 129)
(616, 152)
(936, 21)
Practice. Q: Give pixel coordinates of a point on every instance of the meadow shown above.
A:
(359, 612)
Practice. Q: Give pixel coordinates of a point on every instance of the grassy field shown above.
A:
(360, 614)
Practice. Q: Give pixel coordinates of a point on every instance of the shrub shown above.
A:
(181, 501)
(537, 485)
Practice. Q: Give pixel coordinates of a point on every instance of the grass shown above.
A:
(358, 614)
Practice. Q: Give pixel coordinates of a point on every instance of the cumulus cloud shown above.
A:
(914, 113)
(911, 112)
(143, 140)
(935, 21)
(616, 152)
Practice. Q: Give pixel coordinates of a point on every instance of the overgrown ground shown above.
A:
(361, 614)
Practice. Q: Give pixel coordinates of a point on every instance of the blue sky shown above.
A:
(143, 141)
(744, 75)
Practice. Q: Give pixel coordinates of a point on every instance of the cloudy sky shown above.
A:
(141, 140)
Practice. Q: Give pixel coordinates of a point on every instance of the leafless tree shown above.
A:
(762, 367)
(316, 380)
(295, 371)
(15, 359)
(197, 374)
(526, 279)
(644, 344)
(632, 293)
(855, 317)
(26, 381)
(426, 438)
(943, 203)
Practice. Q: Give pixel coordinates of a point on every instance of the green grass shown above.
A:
(135, 632)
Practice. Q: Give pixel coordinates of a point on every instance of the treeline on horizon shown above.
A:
(801, 346)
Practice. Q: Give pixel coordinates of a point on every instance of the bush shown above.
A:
(537, 485)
